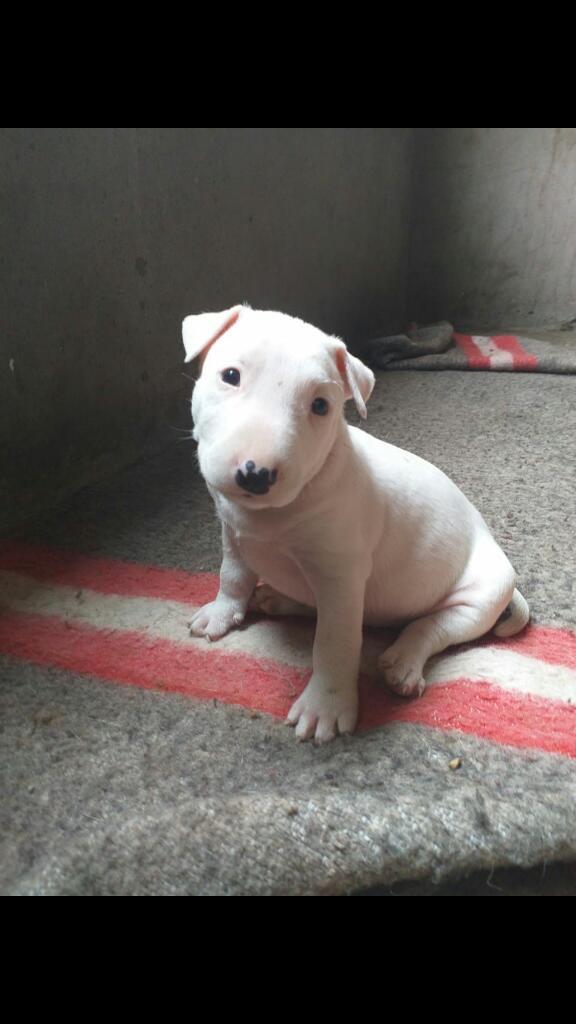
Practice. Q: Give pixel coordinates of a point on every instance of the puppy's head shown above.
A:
(268, 402)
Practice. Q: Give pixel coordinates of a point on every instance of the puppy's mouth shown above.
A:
(267, 499)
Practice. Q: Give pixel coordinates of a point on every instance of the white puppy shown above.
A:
(335, 522)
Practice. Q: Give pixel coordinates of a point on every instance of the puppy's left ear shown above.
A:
(199, 332)
(358, 379)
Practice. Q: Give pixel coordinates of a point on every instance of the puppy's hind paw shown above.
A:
(401, 674)
(270, 602)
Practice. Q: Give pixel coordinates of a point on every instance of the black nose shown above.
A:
(256, 482)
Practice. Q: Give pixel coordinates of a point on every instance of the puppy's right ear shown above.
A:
(201, 331)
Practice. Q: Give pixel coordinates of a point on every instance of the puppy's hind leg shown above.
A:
(271, 602)
(467, 614)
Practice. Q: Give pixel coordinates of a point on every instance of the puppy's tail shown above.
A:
(517, 615)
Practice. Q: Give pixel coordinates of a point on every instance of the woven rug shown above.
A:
(140, 761)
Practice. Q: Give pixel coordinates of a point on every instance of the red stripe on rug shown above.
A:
(483, 709)
(522, 360)
(554, 645)
(134, 658)
(476, 358)
(549, 644)
(107, 576)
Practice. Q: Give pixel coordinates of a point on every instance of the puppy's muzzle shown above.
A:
(256, 481)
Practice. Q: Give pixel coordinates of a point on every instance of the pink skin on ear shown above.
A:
(357, 378)
(200, 332)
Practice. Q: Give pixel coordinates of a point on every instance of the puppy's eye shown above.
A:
(319, 407)
(231, 376)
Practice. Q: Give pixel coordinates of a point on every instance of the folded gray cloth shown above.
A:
(440, 347)
(418, 341)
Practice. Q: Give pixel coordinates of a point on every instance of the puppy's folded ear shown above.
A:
(358, 379)
(201, 331)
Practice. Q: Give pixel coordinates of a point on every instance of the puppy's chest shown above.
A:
(274, 555)
(277, 566)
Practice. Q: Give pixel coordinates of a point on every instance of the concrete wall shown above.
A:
(111, 235)
(494, 226)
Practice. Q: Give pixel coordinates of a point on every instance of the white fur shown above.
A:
(353, 527)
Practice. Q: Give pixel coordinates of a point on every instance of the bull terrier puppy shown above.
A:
(336, 523)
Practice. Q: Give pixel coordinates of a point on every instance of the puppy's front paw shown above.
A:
(401, 673)
(323, 711)
(216, 619)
